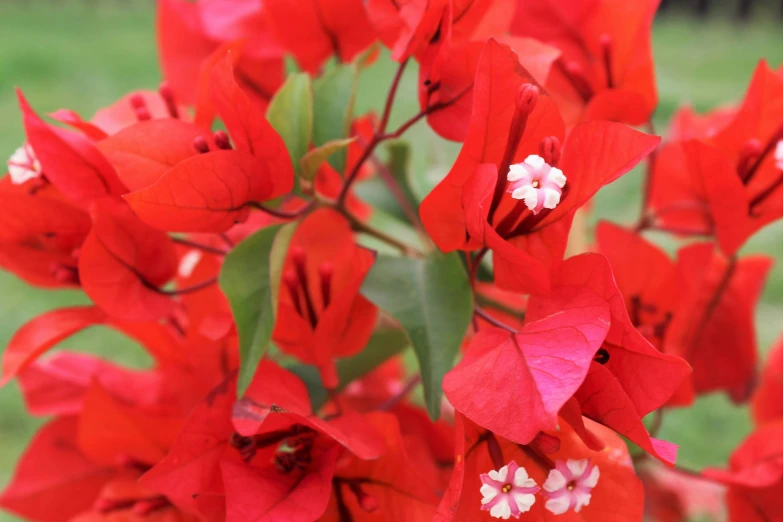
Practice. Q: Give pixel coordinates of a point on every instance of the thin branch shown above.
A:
(648, 182)
(360, 226)
(491, 320)
(189, 289)
(199, 246)
(282, 214)
(488, 302)
(409, 387)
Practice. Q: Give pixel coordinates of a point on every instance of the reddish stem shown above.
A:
(199, 246)
(491, 320)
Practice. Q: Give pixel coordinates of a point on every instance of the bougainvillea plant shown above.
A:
(458, 360)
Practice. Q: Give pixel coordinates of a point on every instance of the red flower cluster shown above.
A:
(277, 305)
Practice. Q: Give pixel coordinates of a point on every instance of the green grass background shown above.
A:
(84, 55)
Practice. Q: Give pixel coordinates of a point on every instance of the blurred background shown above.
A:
(83, 55)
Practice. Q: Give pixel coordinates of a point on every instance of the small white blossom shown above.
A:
(508, 492)
(537, 183)
(188, 263)
(23, 165)
(569, 485)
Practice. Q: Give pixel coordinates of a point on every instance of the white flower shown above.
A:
(537, 183)
(568, 486)
(508, 492)
(188, 263)
(23, 165)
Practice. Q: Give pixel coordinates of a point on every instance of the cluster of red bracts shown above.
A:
(139, 206)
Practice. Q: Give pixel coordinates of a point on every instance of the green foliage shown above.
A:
(250, 279)
(334, 95)
(291, 114)
(384, 344)
(432, 300)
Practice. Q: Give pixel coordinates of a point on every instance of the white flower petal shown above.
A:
(551, 198)
(558, 505)
(524, 501)
(582, 499)
(576, 467)
(488, 493)
(557, 177)
(592, 479)
(501, 510)
(499, 475)
(521, 477)
(516, 172)
(535, 161)
(188, 263)
(555, 481)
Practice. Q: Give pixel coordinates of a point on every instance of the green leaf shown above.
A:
(313, 159)
(291, 114)
(250, 279)
(334, 95)
(384, 344)
(432, 300)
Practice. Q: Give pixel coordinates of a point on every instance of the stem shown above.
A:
(376, 139)
(381, 135)
(491, 320)
(399, 195)
(648, 182)
(711, 306)
(199, 246)
(761, 197)
(771, 144)
(676, 230)
(409, 387)
(488, 302)
(657, 423)
(390, 97)
(474, 266)
(282, 214)
(227, 240)
(360, 226)
(189, 289)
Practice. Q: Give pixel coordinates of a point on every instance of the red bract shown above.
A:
(206, 193)
(514, 384)
(511, 122)
(448, 69)
(606, 69)
(768, 399)
(391, 486)
(39, 234)
(88, 463)
(213, 459)
(71, 162)
(123, 263)
(189, 32)
(317, 29)
(730, 187)
(407, 27)
(70, 492)
(321, 314)
(628, 378)
(245, 120)
(714, 330)
(143, 152)
(755, 475)
(57, 385)
(707, 320)
(616, 496)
